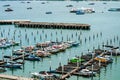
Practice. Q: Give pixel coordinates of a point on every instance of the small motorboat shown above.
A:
(44, 75)
(75, 60)
(114, 9)
(91, 4)
(40, 53)
(69, 5)
(8, 10)
(29, 8)
(87, 73)
(48, 12)
(104, 59)
(18, 52)
(7, 5)
(2, 70)
(32, 57)
(12, 64)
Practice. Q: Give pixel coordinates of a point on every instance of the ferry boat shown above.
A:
(82, 10)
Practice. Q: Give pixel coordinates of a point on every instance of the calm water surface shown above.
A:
(102, 21)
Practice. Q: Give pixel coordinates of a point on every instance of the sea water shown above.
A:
(105, 26)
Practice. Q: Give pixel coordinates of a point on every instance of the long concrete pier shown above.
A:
(50, 25)
(11, 77)
(10, 22)
(53, 25)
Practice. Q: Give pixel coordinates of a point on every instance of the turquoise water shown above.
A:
(102, 21)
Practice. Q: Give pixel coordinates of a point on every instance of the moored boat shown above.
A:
(80, 12)
(49, 12)
(69, 5)
(40, 53)
(87, 73)
(8, 10)
(32, 57)
(18, 52)
(29, 8)
(75, 60)
(104, 59)
(44, 75)
(12, 64)
(114, 9)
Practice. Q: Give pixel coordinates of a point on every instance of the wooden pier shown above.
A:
(68, 70)
(53, 25)
(10, 77)
(10, 22)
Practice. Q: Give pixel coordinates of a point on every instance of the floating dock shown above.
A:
(10, 77)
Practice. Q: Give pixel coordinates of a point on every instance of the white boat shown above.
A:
(87, 73)
(88, 10)
(42, 74)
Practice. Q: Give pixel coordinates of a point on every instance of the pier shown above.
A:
(53, 25)
(74, 68)
(10, 77)
(10, 22)
(49, 25)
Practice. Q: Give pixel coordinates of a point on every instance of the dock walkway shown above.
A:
(11, 77)
(77, 68)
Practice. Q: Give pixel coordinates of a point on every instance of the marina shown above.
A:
(59, 45)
